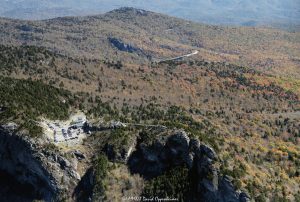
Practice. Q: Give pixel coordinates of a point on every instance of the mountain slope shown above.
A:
(207, 125)
(252, 125)
(237, 12)
(157, 36)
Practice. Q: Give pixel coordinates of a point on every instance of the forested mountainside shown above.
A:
(153, 36)
(277, 13)
(217, 125)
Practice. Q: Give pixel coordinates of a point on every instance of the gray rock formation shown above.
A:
(165, 152)
(121, 153)
(49, 174)
(121, 46)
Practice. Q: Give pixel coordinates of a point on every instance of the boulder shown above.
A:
(64, 163)
(243, 197)
(79, 155)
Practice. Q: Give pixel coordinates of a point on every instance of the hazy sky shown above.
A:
(211, 11)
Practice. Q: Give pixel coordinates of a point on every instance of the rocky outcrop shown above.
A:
(30, 162)
(210, 185)
(120, 153)
(176, 148)
(130, 11)
(164, 153)
(46, 174)
(121, 46)
(84, 189)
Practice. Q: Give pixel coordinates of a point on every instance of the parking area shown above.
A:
(65, 131)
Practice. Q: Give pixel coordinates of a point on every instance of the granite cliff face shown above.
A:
(46, 173)
(123, 46)
(175, 149)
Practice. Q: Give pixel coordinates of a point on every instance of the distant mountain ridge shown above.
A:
(157, 36)
(234, 12)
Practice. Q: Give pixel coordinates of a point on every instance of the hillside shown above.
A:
(221, 125)
(233, 12)
(156, 36)
(225, 105)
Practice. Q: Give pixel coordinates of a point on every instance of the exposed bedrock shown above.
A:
(175, 149)
(28, 166)
(123, 46)
(33, 170)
